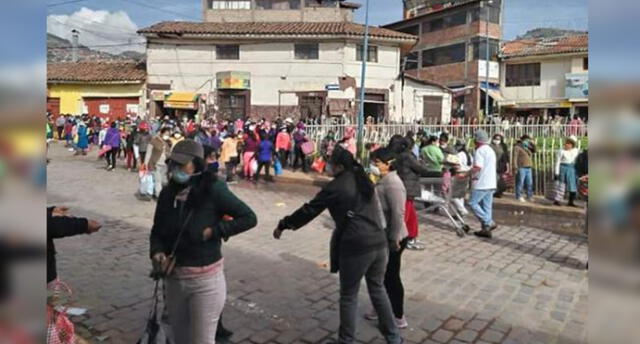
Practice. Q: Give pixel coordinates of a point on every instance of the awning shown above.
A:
(459, 91)
(495, 94)
(181, 100)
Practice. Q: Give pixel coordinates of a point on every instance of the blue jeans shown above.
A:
(481, 203)
(524, 177)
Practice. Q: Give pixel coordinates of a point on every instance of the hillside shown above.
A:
(60, 50)
(548, 32)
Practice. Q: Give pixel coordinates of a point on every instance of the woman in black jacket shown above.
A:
(358, 244)
(409, 170)
(189, 228)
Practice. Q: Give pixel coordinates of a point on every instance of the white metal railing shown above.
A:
(548, 138)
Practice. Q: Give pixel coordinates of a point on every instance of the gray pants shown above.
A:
(195, 305)
(372, 267)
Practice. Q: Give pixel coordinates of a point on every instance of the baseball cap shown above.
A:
(185, 150)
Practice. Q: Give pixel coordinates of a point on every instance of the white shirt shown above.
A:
(464, 164)
(566, 157)
(487, 177)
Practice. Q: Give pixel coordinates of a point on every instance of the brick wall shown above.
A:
(270, 112)
(448, 74)
(444, 37)
(479, 29)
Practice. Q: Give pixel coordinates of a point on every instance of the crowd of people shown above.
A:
(372, 204)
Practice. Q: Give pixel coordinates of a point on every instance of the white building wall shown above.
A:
(192, 67)
(413, 107)
(552, 80)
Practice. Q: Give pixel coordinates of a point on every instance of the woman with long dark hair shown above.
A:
(186, 237)
(358, 245)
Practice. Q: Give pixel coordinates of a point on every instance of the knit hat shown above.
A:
(185, 150)
(481, 136)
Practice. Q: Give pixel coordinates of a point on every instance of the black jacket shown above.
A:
(410, 170)
(60, 227)
(192, 250)
(359, 224)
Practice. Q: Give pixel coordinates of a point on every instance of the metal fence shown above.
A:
(549, 139)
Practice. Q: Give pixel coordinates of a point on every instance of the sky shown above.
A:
(110, 23)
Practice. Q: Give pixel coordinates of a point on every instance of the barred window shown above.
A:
(307, 51)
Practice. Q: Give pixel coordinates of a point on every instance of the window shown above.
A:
(278, 4)
(527, 74)
(412, 30)
(230, 4)
(321, 3)
(480, 13)
(585, 63)
(443, 55)
(372, 53)
(228, 52)
(480, 49)
(453, 20)
(411, 61)
(306, 51)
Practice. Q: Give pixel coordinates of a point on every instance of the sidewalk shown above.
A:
(539, 213)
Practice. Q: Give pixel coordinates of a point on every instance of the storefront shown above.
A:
(233, 98)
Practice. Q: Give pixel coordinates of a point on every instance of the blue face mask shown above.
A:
(180, 177)
(213, 166)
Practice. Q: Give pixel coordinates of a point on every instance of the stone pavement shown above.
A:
(525, 286)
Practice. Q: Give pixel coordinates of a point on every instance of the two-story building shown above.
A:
(452, 49)
(547, 76)
(293, 58)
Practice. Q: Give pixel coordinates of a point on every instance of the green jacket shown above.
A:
(433, 157)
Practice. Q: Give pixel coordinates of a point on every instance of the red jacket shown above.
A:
(283, 141)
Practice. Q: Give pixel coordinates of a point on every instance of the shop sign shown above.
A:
(233, 80)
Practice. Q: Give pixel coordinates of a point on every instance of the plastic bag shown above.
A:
(146, 183)
(308, 147)
(277, 167)
(154, 332)
(318, 165)
(254, 166)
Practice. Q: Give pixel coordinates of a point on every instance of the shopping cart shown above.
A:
(440, 196)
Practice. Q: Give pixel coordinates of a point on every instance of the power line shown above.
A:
(159, 9)
(65, 3)
(98, 46)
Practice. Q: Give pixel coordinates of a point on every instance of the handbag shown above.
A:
(154, 332)
(554, 191)
(308, 147)
(146, 183)
(166, 270)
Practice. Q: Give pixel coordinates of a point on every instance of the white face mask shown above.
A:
(496, 142)
(374, 170)
(166, 137)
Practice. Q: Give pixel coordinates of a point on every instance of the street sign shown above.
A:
(332, 87)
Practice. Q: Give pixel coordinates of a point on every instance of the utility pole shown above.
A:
(486, 90)
(365, 57)
(74, 45)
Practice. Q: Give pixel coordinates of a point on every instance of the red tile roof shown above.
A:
(99, 71)
(285, 28)
(546, 46)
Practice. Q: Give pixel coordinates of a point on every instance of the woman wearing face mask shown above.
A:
(157, 152)
(393, 196)
(522, 164)
(189, 228)
(358, 245)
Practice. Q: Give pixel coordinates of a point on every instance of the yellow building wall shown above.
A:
(71, 94)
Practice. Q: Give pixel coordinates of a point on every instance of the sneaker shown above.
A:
(371, 315)
(402, 323)
(484, 233)
(521, 199)
(412, 245)
(492, 227)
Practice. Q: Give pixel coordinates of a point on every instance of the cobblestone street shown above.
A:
(525, 286)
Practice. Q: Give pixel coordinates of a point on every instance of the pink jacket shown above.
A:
(283, 141)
